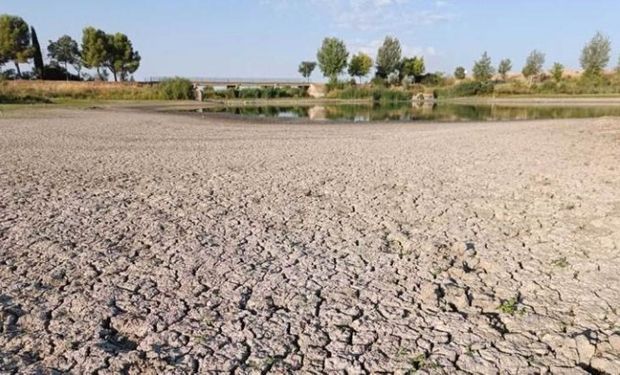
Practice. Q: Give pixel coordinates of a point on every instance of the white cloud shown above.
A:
(375, 15)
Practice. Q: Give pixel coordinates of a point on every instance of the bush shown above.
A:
(433, 79)
(469, 88)
(250, 93)
(376, 94)
(255, 93)
(331, 86)
(176, 89)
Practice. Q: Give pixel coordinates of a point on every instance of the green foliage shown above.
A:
(121, 58)
(382, 95)
(510, 306)
(557, 71)
(256, 93)
(504, 67)
(360, 65)
(332, 58)
(65, 50)
(433, 79)
(483, 69)
(14, 41)
(94, 49)
(176, 89)
(306, 68)
(388, 57)
(459, 73)
(467, 88)
(534, 64)
(413, 67)
(596, 55)
(39, 66)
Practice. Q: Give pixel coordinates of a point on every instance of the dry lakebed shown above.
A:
(144, 243)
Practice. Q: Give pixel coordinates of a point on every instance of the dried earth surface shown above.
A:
(136, 242)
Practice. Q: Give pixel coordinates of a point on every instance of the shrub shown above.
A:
(512, 88)
(433, 79)
(250, 93)
(469, 88)
(376, 94)
(176, 89)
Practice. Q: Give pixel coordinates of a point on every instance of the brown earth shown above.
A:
(154, 243)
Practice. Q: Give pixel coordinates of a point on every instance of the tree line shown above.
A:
(391, 67)
(594, 59)
(103, 52)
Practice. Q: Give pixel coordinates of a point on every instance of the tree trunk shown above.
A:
(114, 74)
(66, 71)
(19, 72)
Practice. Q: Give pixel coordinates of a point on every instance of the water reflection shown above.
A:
(418, 112)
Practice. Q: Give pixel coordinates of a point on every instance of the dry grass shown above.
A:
(79, 90)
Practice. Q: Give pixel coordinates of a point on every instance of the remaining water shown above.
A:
(418, 112)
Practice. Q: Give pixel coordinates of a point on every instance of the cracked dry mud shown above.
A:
(151, 243)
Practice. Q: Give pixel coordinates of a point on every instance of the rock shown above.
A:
(606, 365)
(585, 349)
(429, 294)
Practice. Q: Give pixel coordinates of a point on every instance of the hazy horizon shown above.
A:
(268, 38)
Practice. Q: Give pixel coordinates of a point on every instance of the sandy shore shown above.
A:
(158, 243)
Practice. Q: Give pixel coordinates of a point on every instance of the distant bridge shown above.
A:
(201, 83)
(236, 81)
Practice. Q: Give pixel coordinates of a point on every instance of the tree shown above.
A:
(459, 73)
(557, 71)
(504, 67)
(534, 64)
(65, 50)
(120, 58)
(596, 55)
(94, 49)
(360, 65)
(39, 67)
(413, 67)
(388, 57)
(332, 58)
(14, 41)
(306, 68)
(483, 69)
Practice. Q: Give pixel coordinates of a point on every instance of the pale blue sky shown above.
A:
(268, 38)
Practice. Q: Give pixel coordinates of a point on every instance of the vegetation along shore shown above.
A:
(102, 56)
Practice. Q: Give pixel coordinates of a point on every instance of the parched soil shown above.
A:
(154, 243)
